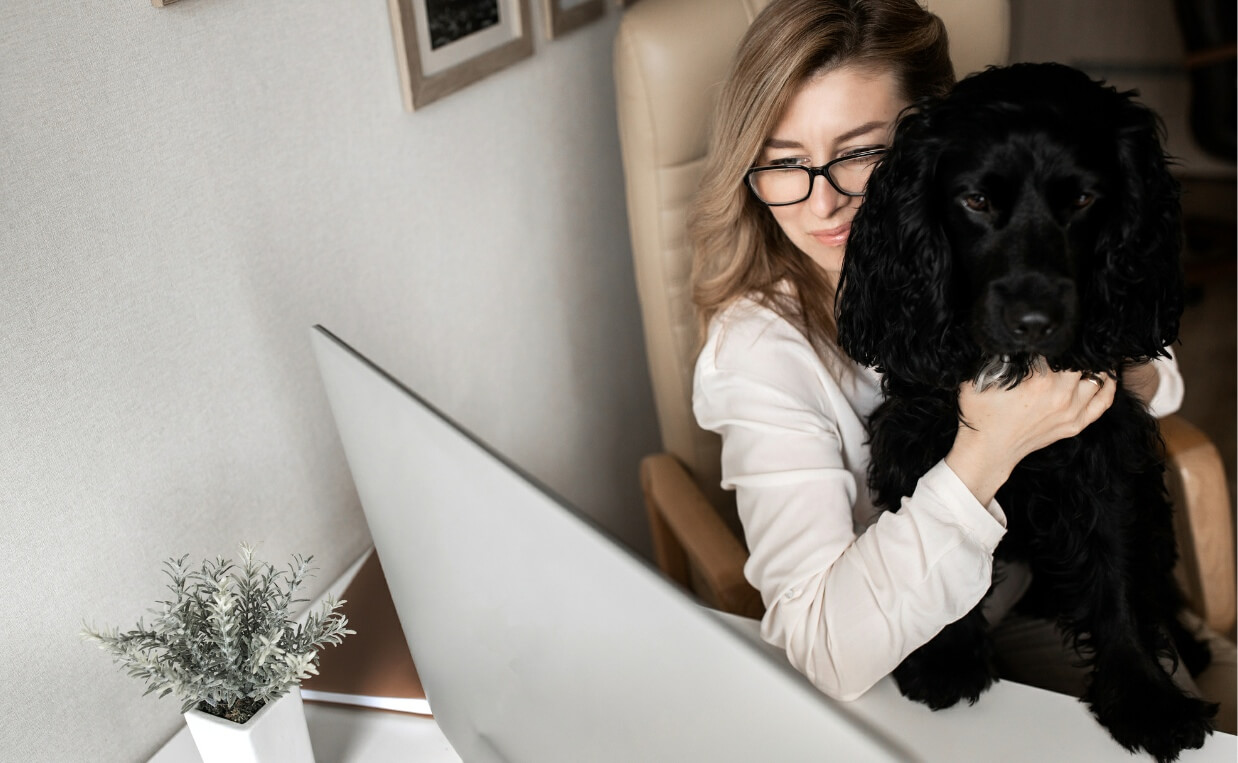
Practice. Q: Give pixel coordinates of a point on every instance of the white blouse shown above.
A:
(849, 590)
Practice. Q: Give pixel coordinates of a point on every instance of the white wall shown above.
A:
(183, 193)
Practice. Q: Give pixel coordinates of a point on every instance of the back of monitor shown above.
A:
(537, 637)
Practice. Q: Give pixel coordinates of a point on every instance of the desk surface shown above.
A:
(1011, 722)
(1045, 727)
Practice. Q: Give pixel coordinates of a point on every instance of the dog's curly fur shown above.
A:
(1030, 217)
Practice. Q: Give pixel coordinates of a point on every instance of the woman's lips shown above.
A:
(834, 236)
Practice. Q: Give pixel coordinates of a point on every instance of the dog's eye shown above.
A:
(976, 202)
(1082, 200)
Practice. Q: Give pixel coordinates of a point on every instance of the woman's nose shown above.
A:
(824, 200)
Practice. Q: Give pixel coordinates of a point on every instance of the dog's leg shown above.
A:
(909, 435)
(1123, 616)
(1131, 695)
(957, 664)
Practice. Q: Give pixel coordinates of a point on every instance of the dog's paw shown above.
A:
(941, 684)
(1164, 723)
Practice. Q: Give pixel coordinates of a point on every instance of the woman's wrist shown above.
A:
(979, 465)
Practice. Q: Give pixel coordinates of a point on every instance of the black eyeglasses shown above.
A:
(782, 184)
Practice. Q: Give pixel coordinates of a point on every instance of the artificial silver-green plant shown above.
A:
(225, 642)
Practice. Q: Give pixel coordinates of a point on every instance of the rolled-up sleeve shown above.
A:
(1170, 388)
(846, 608)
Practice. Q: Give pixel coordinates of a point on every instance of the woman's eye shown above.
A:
(788, 161)
(976, 202)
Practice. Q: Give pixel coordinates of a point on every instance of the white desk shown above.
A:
(1046, 727)
(1011, 722)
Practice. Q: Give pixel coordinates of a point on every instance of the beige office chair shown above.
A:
(671, 57)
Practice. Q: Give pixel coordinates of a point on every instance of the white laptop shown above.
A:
(538, 638)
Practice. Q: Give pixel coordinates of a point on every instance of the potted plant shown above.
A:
(225, 644)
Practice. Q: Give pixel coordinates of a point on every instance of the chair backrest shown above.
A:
(670, 58)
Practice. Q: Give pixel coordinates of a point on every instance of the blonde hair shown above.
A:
(738, 248)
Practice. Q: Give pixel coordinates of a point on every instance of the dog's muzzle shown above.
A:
(1028, 314)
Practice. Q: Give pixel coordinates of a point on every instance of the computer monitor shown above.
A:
(537, 637)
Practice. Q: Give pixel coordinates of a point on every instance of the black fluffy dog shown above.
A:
(1029, 218)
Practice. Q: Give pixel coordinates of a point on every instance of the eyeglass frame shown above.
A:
(813, 172)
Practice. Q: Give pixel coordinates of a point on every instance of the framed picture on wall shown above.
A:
(562, 16)
(444, 45)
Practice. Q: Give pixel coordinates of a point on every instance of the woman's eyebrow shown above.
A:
(863, 129)
(867, 127)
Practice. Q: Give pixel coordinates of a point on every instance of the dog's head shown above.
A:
(1029, 213)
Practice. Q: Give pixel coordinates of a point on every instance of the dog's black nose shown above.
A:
(1031, 325)
(1027, 313)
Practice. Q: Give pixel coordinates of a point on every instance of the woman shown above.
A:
(849, 590)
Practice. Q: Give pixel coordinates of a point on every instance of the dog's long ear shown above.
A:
(893, 303)
(1137, 300)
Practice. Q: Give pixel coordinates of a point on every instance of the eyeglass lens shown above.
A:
(787, 185)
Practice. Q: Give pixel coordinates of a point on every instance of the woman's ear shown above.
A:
(893, 308)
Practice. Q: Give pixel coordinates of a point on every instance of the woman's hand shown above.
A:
(999, 426)
(1141, 380)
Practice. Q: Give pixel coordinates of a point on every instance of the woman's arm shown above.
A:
(847, 609)
(849, 603)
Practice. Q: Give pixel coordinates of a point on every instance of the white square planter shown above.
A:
(275, 734)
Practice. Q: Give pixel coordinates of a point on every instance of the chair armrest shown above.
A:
(695, 548)
(1203, 522)
(692, 544)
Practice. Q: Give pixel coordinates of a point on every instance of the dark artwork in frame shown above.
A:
(450, 20)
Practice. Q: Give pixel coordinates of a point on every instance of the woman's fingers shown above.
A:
(1045, 407)
(1000, 426)
(1098, 390)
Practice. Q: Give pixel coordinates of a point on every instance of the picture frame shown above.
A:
(445, 45)
(562, 16)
